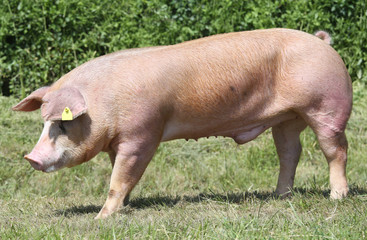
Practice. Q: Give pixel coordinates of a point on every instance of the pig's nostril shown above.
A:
(26, 157)
(35, 164)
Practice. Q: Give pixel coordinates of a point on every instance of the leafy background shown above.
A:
(42, 40)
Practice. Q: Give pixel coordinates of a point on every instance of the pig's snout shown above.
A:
(35, 163)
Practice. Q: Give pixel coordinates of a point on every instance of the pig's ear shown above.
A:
(65, 99)
(32, 102)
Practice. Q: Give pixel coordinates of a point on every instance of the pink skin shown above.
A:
(48, 155)
(39, 157)
(234, 85)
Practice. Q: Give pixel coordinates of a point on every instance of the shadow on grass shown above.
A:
(353, 191)
(170, 201)
(233, 198)
(78, 210)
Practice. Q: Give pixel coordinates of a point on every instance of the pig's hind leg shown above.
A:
(328, 122)
(334, 145)
(132, 158)
(335, 150)
(288, 146)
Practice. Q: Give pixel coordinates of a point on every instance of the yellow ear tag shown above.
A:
(67, 115)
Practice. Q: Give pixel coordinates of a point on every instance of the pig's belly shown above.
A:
(240, 130)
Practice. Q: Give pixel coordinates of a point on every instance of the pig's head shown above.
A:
(62, 143)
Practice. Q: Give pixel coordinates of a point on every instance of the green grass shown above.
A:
(210, 189)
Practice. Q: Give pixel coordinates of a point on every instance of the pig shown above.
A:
(234, 85)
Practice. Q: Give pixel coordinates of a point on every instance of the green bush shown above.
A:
(42, 40)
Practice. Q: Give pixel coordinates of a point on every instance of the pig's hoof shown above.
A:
(339, 194)
(103, 214)
(100, 216)
(283, 195)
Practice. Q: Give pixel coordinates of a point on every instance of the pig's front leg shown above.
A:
(112, 156)
(130, 162)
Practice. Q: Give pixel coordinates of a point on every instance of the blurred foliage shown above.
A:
(43, 39)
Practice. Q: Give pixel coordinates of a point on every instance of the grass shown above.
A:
(210, 189)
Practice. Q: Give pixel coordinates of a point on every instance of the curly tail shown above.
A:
(324, 36)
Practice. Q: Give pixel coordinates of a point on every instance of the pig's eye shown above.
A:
(62, 128)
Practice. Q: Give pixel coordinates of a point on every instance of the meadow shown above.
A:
(210, 189)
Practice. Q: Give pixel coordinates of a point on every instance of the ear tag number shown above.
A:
(67, 115)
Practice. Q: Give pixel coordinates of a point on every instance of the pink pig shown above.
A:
(234, 85)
